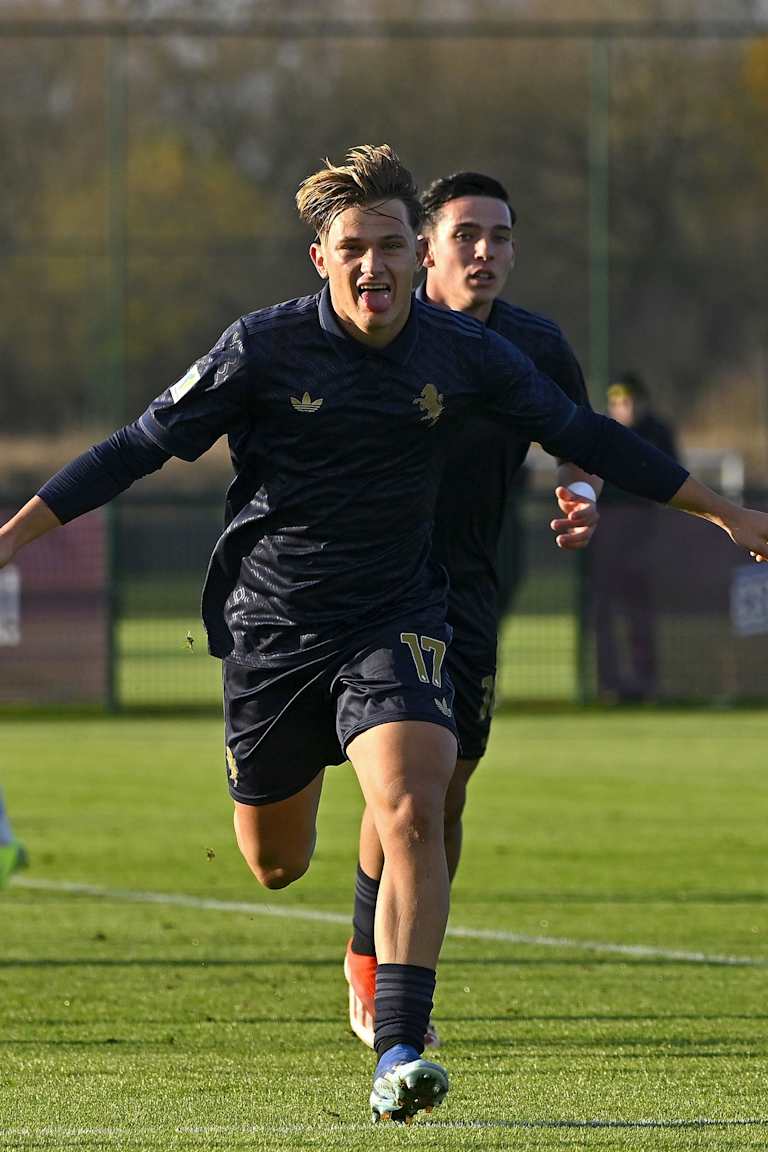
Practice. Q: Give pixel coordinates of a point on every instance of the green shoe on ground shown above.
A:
(13, 856)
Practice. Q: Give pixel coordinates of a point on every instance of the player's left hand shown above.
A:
(749, 529)
(581, 517)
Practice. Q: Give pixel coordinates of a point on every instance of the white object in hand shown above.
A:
(581, 488)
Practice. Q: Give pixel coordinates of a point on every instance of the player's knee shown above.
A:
(415, 817)
(273, 872)
(274, 876)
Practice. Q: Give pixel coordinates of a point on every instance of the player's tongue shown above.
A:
(376, 297)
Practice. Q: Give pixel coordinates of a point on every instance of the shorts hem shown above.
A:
(274, 797)
(394, 718)
(470, 753)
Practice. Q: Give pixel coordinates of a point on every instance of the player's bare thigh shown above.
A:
(277, 840)
(404, 768)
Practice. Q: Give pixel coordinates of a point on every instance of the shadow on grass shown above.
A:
(480, 897)
(586, 962)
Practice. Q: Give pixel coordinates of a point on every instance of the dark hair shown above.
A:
(370, 173)
(448, 188)
(631, 383)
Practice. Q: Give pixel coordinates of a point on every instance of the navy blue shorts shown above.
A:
(284, 725)
(473, 673)
(472, 616)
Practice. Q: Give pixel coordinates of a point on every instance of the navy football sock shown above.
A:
(403, 1005)
(366, 891)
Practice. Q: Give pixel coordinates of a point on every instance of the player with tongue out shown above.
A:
(321, 598)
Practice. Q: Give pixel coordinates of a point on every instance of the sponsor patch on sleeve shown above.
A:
(181, 387)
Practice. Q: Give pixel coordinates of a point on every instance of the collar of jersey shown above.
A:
(399, 350)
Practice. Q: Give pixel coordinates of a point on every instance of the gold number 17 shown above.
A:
(418, 646)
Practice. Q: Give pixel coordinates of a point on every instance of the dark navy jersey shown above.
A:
(482, 462)
(656, 431)
(339, 450)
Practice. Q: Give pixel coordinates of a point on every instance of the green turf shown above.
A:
(130, 1025)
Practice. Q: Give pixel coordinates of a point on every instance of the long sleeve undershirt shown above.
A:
(102, 473)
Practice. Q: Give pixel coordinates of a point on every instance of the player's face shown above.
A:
(622, 409)
(369, 257)
(470, 253)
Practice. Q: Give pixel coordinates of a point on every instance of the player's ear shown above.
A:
(427, 259)
(317, 256)
(422, 245)
(514, 253)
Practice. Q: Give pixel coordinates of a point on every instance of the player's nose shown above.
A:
(371, 262)
(483, 249)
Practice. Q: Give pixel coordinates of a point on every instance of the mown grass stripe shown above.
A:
(209, 904)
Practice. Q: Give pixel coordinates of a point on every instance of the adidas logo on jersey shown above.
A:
(306, 404)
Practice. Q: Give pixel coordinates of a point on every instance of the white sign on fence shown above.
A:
(10, 607)
(749, 600)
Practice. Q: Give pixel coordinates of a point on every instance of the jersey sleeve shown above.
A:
(101, 473)
(184, 421)
(525, 398)
(208, 401)
(535, 406)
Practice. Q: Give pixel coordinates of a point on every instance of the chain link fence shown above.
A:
(660, 608)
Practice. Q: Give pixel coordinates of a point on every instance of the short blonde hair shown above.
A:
(371, 173)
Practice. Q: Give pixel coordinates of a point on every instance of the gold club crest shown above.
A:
(430, 402)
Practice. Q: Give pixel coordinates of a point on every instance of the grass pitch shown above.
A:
(610, 992)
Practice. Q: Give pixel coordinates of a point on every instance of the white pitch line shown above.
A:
(208, 904)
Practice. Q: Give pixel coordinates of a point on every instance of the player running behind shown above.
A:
(468, 223)
(321, 597)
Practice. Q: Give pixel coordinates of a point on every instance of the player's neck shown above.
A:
(480, 311)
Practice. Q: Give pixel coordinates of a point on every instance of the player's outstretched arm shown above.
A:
(31, 521)
(746, 527)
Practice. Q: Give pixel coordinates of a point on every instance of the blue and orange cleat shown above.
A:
(404, 1084)
(13, 856)
(360, 974)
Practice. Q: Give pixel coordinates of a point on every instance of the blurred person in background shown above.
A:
(12, 852)
(623, 562)
(470, 253)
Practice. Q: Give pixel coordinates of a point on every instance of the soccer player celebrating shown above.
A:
(470, 252)
(321, 597)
